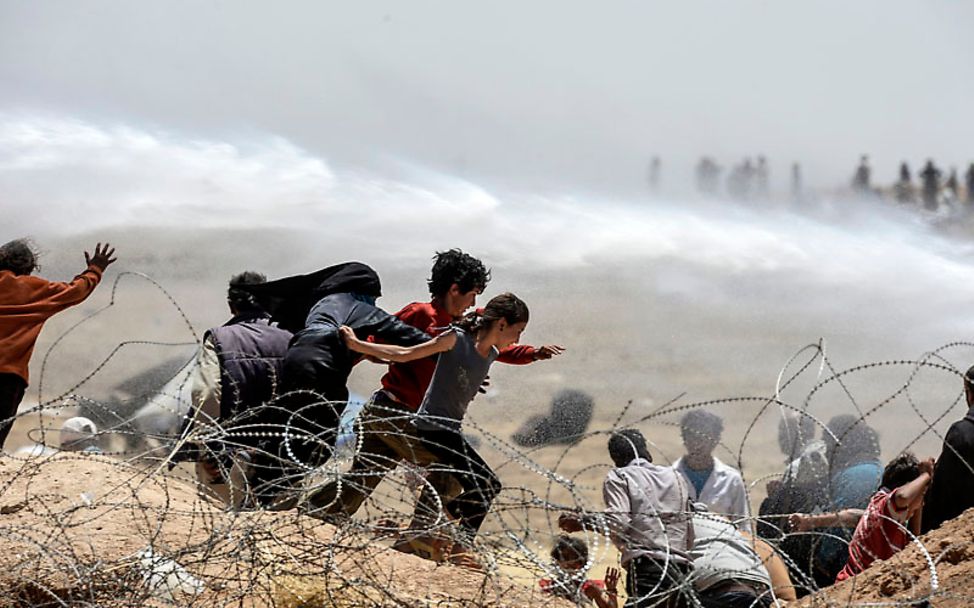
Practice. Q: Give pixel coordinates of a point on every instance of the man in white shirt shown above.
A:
(647, 514)
(717, 485)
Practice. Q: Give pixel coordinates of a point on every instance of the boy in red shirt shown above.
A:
(26, 302)
(384, 434)
(881, 532)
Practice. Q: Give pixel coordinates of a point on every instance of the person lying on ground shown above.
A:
(26, 303)
(571, 558)
(894, 511)
(648, 516)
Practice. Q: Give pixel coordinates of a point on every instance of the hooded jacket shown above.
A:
(317, 358)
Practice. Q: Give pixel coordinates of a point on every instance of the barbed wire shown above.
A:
(137, 520)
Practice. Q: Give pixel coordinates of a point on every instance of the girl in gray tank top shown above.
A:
(465, 354)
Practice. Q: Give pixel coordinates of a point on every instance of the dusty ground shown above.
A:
(906, 577)
(638, 337)
(73, 527)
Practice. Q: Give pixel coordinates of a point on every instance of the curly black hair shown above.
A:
(243, 301)
(19, 257)
(455, 266)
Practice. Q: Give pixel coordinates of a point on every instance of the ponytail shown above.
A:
(505, 306)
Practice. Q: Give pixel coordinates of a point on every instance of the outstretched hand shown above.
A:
(547, 351)
(102, 258)
(927, 466)
(612, 580)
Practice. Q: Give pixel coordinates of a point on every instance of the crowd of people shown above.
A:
(749, 180)
(270, 387)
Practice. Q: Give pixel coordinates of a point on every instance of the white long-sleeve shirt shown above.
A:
(648, 511)
(723, 493)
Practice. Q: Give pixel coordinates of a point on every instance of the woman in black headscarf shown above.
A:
(303, 422)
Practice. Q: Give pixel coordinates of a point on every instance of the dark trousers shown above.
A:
(303, 428)
(651, 582)
(12, 389)
(479, 484)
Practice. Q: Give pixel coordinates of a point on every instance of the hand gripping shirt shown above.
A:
(459, 373)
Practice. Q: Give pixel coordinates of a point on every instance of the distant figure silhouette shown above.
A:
(740, 181)
(654, 175)
(969, 184)
(762, 188)
(797, 193)
(708, 176)
(565, 423)
(930, 178)
(861, 180)
(903, 189)
(953, 185)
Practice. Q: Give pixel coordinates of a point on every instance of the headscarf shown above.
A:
(289, 300)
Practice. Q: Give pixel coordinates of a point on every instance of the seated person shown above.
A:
(881, 532)
(730, 570)
(852, 448)
(717, 485)
(952, 490)
(570, 556)
(802, 488)
(803, 483)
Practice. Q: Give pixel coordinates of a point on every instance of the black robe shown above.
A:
(302, 424)
(952, 490)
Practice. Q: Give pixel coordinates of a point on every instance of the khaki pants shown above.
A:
(385, 437)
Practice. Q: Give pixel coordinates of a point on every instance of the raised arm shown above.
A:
(909, 497)
(398, 354)
(908, 494)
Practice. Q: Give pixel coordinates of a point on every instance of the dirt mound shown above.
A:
(906, 578)
(79, 529)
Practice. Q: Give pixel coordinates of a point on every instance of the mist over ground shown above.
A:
(206, 139)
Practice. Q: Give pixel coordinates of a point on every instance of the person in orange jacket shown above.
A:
(26, 302)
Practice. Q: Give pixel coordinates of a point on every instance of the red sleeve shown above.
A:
(416, 314)
(517, 354)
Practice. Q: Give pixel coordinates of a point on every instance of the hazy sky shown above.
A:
(541, 94)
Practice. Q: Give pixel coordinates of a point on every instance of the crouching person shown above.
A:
(647, 513)
(731, 569)
(238, 372)
(882, 530)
